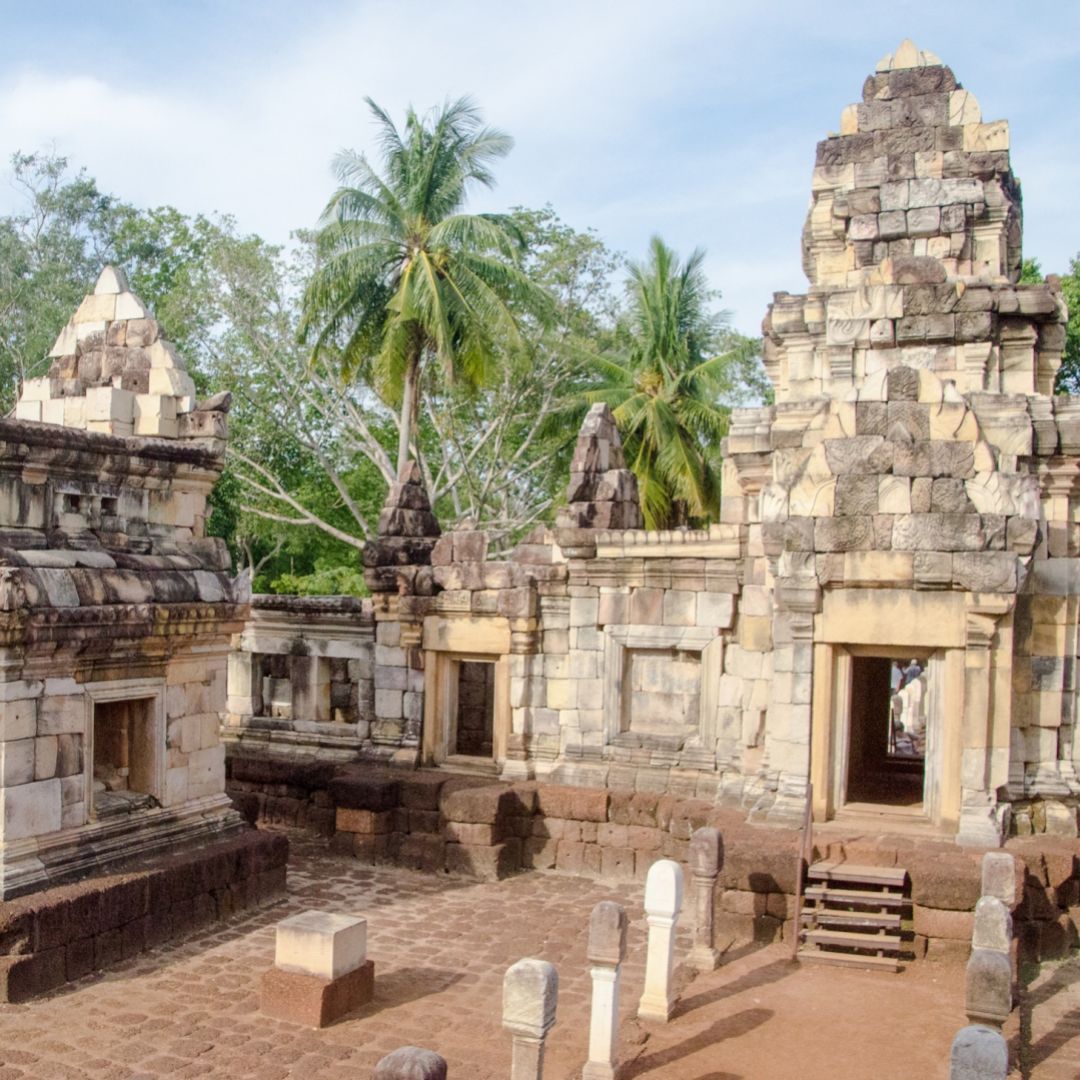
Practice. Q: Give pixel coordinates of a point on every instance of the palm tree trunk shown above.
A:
(408, 410)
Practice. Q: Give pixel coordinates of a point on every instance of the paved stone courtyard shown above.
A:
(441, 947)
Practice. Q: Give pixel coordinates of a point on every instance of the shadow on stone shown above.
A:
(731, 1027)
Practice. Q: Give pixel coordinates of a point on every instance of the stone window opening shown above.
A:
(886, 751)
(124, 762)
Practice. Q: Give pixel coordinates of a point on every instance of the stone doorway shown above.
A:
(474, 728)
(125, 767)
(467, 711)
(886, 752)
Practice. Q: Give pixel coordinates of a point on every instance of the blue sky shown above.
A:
(692, 119)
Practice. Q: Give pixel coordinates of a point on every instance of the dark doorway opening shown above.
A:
(887, 733)
(475, 721)
(123, 756)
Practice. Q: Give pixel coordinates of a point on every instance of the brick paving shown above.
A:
(1050, 1022)
(441, 946)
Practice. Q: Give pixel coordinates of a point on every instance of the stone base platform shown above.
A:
(314, 1002)
(442, 822)
(60, 934)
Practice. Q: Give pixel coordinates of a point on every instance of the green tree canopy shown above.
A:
(675, 363)
(405, 275)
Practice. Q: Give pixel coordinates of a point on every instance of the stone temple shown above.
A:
(881, 631)
(885, 615)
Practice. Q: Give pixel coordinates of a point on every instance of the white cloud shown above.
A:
(684, 118)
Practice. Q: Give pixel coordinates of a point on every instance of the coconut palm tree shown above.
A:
(665, 386)
(405, 277)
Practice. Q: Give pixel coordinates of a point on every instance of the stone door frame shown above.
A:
(440, 704)
(832, 730)
(152, 690)
(706, 642)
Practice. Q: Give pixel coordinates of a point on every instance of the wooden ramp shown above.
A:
(853, 915)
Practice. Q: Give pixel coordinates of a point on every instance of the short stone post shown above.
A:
(321, 970)
(663, 899)
(706, 859)
(607, 948)
(411, 1063)
(988, 996)
(993, 926)
(530, 993)
(999, 877)
(979, 1053)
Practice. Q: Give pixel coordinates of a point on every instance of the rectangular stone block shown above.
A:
(30, 810)
(314, 1002)
(321, 943)
(17, 761)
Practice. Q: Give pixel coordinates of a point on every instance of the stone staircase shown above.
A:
(854, 915)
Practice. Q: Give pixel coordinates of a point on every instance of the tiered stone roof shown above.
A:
(112, 371)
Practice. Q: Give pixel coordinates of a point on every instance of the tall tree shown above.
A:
(405, 275)
(667, 383)
(1068, 376)
(51, 249)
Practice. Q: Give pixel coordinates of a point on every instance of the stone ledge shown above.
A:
(61, 934)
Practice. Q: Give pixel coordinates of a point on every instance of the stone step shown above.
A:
(853, 940)
(891, 877)
(830, 895)
(819, 956)
(861, 920)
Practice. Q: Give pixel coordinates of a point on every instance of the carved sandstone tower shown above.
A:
(915, 483)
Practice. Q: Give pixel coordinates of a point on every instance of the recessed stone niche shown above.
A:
(657, 685)
(126, 763)
(661, 695)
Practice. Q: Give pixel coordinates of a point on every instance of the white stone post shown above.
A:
(706, 858)
(993, 926)
(663, 899)
(607, 948)
(999, 877)
(530, 993)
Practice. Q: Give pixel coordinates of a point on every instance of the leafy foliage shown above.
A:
(670, 378)
(505, 315)
(1068, 376)
(405, 277)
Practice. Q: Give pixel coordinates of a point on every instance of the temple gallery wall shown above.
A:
(886, 613)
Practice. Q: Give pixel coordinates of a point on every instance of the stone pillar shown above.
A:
(663, 899)
(607, 948)
(530, 994)
(706, 858)
(244, 683)
(798, 599)
(310, 678)
(983, 820)
(411, 1063)
(979, 1053)
(397, 569)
